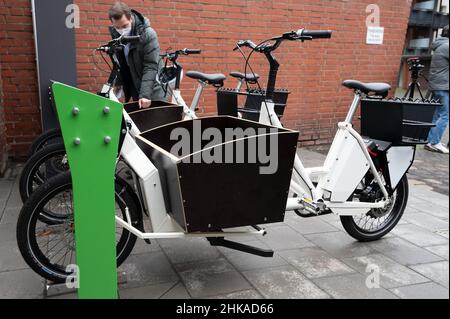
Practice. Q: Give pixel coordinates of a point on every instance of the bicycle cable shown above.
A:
(250, 67)
(94, 58)
(247, 63)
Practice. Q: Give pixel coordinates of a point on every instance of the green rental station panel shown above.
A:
(91, 126)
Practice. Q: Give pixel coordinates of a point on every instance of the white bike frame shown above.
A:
(189, 111)
(148, 186)
(316, 190)
(345, 166)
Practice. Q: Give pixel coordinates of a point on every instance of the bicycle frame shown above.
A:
(148, 185)
(314, 198)
(188, 111)
(346, 164)
(146, 176)
(175, 89)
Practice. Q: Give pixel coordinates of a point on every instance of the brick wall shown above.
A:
(3, 148)
(20, 89)
(311, 70)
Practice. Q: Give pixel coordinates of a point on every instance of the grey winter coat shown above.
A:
(439, 65)
(144, 59)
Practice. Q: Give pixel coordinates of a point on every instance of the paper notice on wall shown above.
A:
(375, 35)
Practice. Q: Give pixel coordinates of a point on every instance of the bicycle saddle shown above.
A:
(377, 88)
(213, 79)
(248, 77)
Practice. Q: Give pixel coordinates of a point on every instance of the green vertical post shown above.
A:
(90, 126)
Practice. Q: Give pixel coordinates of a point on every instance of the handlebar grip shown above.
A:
(130, 39)
(316, 34)
(192, 51)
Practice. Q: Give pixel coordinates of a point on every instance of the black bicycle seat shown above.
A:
(377, 88)
(213, 79)
(248, 77)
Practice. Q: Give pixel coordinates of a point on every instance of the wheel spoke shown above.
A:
(52, 244)
(376, 219)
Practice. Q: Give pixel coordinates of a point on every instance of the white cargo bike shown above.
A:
(363, 179)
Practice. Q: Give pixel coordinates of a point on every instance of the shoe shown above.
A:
(439, 148)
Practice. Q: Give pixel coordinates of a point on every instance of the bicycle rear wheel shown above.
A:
(377, 222)
(44, 164)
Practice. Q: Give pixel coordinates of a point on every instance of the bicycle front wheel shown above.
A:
(49, 249)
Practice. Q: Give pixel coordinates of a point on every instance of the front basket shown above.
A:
(237, 187)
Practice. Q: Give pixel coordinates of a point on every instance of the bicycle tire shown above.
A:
(43, 140)
(26, 238)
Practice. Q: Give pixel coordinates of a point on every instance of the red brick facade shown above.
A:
(3, 148)
(20, 103)
(312, 70)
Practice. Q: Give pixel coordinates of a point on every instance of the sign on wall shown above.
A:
(375, 33)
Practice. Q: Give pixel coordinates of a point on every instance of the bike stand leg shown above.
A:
(241, 247)
(52, 290)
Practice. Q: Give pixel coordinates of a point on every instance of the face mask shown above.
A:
(124, 32)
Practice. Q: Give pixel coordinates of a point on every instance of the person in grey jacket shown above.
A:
(438, 82)
(140, 62)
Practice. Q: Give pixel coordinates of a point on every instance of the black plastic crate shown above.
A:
(255, 98)
(227, 102)
(204, 196)
(401, 122)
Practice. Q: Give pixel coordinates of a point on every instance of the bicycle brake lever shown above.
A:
(238, 45)
(263, 47)
(103, 48)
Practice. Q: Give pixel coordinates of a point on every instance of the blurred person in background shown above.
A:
(439, 85)
(139, 61)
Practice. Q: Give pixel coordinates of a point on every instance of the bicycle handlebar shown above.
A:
(129, 39)
(111, 45)
(173, 55)
(300, 35)
(191, 51)
(315, 34)
(268, 46)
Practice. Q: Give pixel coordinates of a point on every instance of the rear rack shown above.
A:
(400, 121)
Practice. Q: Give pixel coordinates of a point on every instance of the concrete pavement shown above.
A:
(314, 258)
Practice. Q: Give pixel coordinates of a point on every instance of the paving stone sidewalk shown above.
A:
(314, 258)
